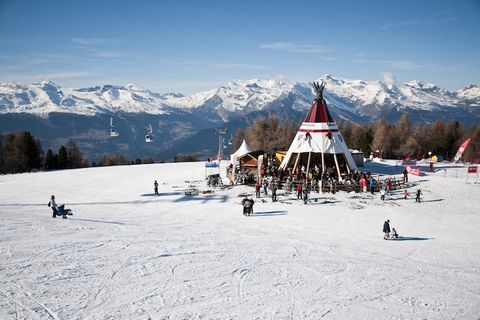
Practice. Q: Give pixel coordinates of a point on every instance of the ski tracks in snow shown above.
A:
(26, 301)
(244, 274)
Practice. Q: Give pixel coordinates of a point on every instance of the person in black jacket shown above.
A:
(386, 229)
(405, 175)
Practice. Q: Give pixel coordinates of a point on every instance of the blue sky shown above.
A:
(190, 46)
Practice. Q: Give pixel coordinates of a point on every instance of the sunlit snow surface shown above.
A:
(127, 254)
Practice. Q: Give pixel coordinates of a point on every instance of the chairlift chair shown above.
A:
(149, 135)
(113, 132)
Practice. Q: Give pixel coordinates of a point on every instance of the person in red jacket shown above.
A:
(257, 189)
(299, 190)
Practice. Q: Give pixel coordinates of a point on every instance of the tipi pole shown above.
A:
(296, 163)
(338, 168)
(346, 164)
(323, 163)
(308, 163)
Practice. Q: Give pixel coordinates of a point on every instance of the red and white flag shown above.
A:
(462, 148)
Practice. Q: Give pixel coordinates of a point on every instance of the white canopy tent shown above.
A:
(242, 150)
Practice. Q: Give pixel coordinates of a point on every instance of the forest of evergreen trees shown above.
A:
(392, 141)
(21, 152)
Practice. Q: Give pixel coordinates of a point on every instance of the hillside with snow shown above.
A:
(129, 254)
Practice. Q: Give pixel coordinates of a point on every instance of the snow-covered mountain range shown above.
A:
(54, 113)
(354, 99)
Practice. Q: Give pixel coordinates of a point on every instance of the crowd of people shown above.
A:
(302, 182)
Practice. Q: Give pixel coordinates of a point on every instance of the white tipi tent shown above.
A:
(318, 141)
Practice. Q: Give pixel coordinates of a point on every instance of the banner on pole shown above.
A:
(462, 148)
(414, 171)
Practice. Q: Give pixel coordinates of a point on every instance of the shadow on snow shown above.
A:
(411, 239)
(97, 221)
(269, 213)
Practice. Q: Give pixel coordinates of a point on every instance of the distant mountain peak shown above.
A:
(422, 85)
(135, 87)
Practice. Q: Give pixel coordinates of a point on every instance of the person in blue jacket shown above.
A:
(372, 185)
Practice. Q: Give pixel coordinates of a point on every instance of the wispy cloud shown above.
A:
(53, 75)
(296, 47)
(67, 74)
(99, 47)
(399, 64)
(236, 65)
(220, 65)
(93, 41)
(419, 22)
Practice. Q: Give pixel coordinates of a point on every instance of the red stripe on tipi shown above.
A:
(319, 113)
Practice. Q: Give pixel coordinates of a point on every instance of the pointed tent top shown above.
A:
(243, 150)
(318, 111)
(318, 90)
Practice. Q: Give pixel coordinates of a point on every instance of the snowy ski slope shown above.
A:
(128, 254)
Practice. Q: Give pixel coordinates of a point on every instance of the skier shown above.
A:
(419, 194)
(58, 210)
(382, 194)
(386, 229)
(405, 175)
(405, 194)
(155, 185)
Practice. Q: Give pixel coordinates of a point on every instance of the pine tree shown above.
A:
(62, 160)
(50, 160)
(75, 159)
(10, 154)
